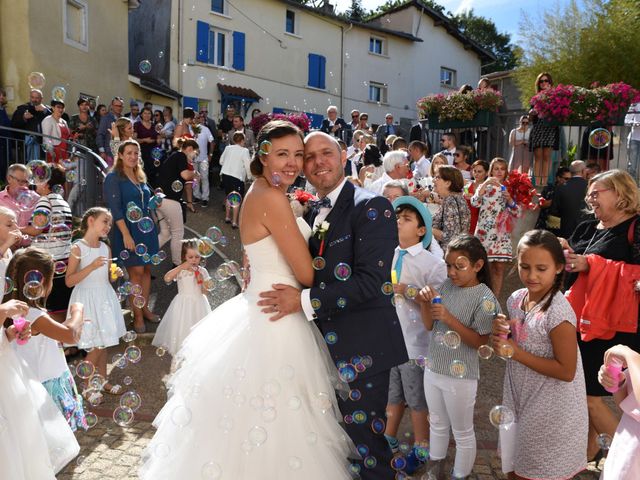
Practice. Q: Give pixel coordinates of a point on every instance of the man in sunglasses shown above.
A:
(448, 143)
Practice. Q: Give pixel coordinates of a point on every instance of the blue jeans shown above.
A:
(634, 158)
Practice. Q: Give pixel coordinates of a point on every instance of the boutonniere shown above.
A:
(321, 233)
(299, 201)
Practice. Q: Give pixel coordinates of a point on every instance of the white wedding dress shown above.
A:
(252, 398)
(35, 440)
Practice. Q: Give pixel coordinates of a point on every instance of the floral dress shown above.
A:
(495, 223)
(453, 218)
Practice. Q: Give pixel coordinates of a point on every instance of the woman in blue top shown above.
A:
(135, 240)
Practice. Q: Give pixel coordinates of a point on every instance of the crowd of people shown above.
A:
(445, 259)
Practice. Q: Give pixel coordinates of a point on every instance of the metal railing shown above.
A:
(493, 141)
(91, 169)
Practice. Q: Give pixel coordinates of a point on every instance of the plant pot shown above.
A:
(618, 121)
(483, 118)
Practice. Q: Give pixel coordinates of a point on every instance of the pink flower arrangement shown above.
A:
(569, 104)
(300, 120)
(459, 106)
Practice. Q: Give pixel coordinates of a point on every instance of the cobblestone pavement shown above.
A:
(109, 451)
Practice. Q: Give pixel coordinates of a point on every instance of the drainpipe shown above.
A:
(342, 52)
(180, 57)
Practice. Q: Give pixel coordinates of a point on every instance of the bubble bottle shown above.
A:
(20, 323)
(614, 368)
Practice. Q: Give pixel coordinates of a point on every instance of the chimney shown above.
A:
(327, 7)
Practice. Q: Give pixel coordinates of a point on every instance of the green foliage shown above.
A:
(391, 4)
(599, 42)
(356, 12)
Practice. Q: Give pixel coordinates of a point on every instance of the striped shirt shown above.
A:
(57, 244)
(475, 308)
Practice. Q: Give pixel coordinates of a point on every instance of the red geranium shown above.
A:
(521, 189)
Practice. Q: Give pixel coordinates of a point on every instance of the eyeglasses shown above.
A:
(524, 123)
(544, 80)
(594, 193)
(19, 180)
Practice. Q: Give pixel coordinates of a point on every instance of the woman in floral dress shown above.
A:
(498, 211)
(453, 217)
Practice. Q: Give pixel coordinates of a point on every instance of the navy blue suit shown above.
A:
(358, 312)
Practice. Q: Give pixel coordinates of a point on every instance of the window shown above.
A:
(377, 46)
(218, 6)
(75, 23)
(377, 92)
(220, 47)
(317, 69)
(290, 22)
(447, 77)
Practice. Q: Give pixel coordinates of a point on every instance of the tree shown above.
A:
(356, 13)
(391, 4)
(580, 46)
(485, 33)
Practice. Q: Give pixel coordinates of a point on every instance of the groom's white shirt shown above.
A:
(305, 295)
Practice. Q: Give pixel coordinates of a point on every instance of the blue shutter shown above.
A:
(321, 74)
(202, 42)
(314, 70)
(191, 102)
(316, 119)
(238, 51)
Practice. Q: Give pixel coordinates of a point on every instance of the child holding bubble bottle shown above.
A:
(234, 171)
(623, 460)
(459, 315)
(89, 274)
(190, 305)
(544, 386)
(32, 271)
(413, 267)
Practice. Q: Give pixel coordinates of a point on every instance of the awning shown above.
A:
(155, 87)
(238, 97)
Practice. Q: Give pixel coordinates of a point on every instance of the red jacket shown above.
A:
(604, 299)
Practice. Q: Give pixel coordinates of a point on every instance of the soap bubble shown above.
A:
(8, 285)
(124, 254)
(181, 416)
(161, 54)
(71, 176)
(458, 368)
(342, 272)
(156, 153)
(141, 249)
(39, 172)
(146, 225)
(131, 400)
(485, 352)
(276, 180)
(33, 290)
(387, 288)
(92, 419)
(161, 351)
(127, 380)
(318, 263)
(331, 338)
(411, 292)
(139, 301)
(40, 218)
(133, 354)
(144, 66)
(214, 234)
(176, 186)
(316, 303)
(211, 471)
(123, 416)
(501, 416)
(33, 276)
(604, 441)
(36, 80)
(201, 82)
(206, 247)
(257, 436)
(58, 93)
(129, 336)
(234, 199)
(451, 339)
(134, 213)
(84, 370)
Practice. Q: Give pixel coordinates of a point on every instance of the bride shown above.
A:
(254, 398)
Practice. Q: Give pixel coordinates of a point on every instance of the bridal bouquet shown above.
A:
(522, 192)
(299, 201)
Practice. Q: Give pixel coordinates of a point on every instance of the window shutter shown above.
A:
(217, 6)
(238, 50)
(314, 70)
(190, 102)
(202, 42)
(321, 74)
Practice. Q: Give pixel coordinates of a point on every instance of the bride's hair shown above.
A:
(273, 129)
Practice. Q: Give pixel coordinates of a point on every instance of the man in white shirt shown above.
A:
(205, 145)
(396, 167)
(633, 140)
(448, 143)
(422, 165)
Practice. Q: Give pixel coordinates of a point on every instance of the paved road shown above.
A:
(113, 452)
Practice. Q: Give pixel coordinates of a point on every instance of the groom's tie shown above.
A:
(398, 266)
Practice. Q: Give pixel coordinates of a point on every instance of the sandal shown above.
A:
(191, 207)
(227, 220)
(113, 390)
(234, 225)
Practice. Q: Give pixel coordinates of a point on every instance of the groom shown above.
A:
(355, 235)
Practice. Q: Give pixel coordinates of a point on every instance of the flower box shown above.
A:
(618, 121)
(483, 118)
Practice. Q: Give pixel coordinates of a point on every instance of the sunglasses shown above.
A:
(457, 154)
(544, 80)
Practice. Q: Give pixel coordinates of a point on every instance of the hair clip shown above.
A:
(265, 147)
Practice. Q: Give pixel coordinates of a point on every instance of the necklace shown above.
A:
(592, 243)
(139, 188)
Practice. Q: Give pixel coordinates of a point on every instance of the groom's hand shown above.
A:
(282, 300)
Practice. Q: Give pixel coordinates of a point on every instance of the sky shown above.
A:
(506, 14)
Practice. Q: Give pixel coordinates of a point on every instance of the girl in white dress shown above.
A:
(190, 305)
(89, 273)
(32, 272)
(35, 440)
(253, 398)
